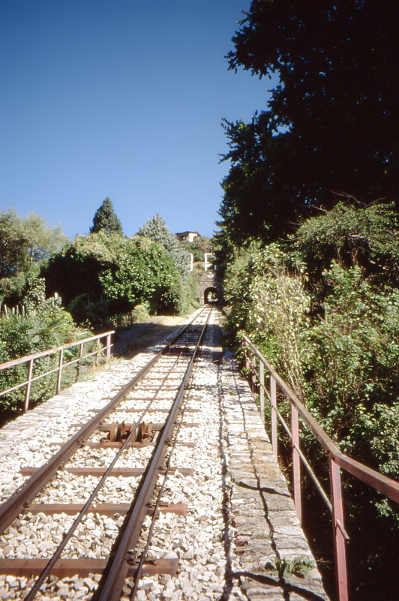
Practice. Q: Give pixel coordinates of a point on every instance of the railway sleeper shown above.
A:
(104, 508)
(116, 471)
(83, 567)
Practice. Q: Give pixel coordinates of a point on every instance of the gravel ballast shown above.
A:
(240, 526)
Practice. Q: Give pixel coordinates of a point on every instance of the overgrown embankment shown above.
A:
(323, 307)
(58, 291)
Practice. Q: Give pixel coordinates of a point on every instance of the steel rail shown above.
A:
(138, 573)
(84, 510)
(117, 568)
(11, 508)
(143, 556)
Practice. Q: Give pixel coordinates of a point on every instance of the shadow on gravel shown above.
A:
(139, 336)
(142, 335)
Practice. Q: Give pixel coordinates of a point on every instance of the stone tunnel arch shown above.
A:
(211, 295)
(210, 280)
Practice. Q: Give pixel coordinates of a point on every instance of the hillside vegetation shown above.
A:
(309, 233)
(54, 291)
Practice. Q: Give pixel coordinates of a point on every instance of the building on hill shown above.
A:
(187, 236)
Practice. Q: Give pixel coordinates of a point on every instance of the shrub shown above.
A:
(265, 290)
(103, 274)
(44, 327)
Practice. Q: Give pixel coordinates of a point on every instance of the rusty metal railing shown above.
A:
(336, 458)
(29, 360)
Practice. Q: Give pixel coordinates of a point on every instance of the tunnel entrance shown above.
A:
(211, 296)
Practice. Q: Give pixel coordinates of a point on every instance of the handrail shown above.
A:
(337, 459)
(29, 359)
(51, 351)
(367, 475)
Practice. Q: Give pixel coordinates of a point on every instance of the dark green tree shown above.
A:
(105, 273)
(332, 122)
(157, 230)
(366, 237)
(106, 219)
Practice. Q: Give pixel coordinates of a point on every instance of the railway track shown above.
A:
(95, 503)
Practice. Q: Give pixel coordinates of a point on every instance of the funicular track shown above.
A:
(120, 433)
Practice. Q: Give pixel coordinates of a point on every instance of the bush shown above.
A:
(367, 237)
(102, 274)
(265, 290)
(344, 361)
(140, 312)
(42, 328)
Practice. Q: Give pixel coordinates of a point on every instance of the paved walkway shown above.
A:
(265, 541)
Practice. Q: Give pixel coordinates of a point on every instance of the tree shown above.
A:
(105, 273)
(106, 219)
(23, 242)
(12, 243)
(263, 187)
(333, 120)
(367, 237)
(157, 230)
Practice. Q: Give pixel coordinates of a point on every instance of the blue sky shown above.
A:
(119, 98)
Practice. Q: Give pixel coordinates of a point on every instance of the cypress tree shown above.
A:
(106, 219)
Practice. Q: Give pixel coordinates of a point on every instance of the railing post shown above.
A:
(261, 390)
(338, 525)
(296, 462)
(108, 347)
(273, 400)
(60, 370)
(244, 344)
(80, 358)
(28, 385)
(253, 373)
(98, 351)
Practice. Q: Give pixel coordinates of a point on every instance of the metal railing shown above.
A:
(29, 360)
(336, 458)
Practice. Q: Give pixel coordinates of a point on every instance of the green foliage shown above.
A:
(334, 98)
(24, 247)
(199, 246)
(141, 312)
(343, 362)
(351, 358)
(104, 274)
(143, 272)
(255, 202)
(45, 325)
(363, 236)
(299, 566)
(189, 294)
(105, 219)
(264, 289)
(24, 244)
(157, 230)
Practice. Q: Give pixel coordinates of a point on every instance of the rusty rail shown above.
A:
(117, 569)
(336, 458)
(21, 499)
(29, 360)
(11, 508)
